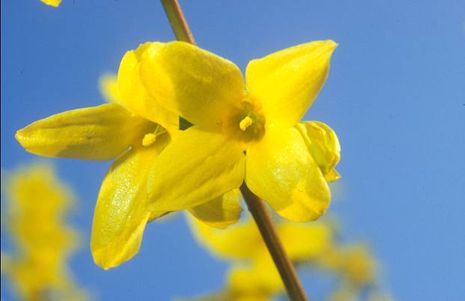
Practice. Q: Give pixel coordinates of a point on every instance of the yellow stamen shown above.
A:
(149, 139)
(245, 123)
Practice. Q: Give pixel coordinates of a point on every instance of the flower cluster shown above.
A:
(37, 208)
(253, 276)
(240, 130)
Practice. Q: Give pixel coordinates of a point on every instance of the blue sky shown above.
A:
(395, 96)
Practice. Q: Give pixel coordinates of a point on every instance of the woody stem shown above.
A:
(177, 21)
(256, 207)
(265, 225)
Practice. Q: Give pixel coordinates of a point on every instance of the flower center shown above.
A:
(247, 123)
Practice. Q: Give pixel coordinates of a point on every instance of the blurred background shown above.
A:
(395, 96)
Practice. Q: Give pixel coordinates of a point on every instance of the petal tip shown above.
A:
(332, 44)
(101, 260)
(21, 137)
(329, 46)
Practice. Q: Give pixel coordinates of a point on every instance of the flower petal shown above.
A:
(281, 171)
(133, 94)
(196, 167)
(304, 242)
(221, 211)
(286, 82)
(95, 133)
(239, 241)
(323, 144)
(121, 214)
(195, 83)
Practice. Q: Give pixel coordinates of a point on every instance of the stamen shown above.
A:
(149, 139)
(245, 123)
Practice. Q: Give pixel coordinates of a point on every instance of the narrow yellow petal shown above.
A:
(281, 171)
(54, 3)
(133, 94)
(198, 85)
(196, 167)
(121, 214)
(95, 133)
(239, 241)
(323, 144)
(286, 82)
(221, 211)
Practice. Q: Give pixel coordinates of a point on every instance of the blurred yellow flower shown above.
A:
(241, 132)
(253, 275)
(243, 241)
(36, 220)
(54, 3)
(354, 262)
(256, 282)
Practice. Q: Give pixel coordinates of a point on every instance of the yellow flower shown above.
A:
(198, 169)
(243, 131)
(37, 209)
(243, 241)
(54, 3)
(354, 262)
(253, 275)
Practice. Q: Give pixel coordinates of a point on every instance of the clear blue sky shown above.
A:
(395, 96)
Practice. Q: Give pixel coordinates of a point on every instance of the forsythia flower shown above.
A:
(253, 275)
(243, 241)
(54, 3)
(198, 169)
(243, 132)
(37, 206)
